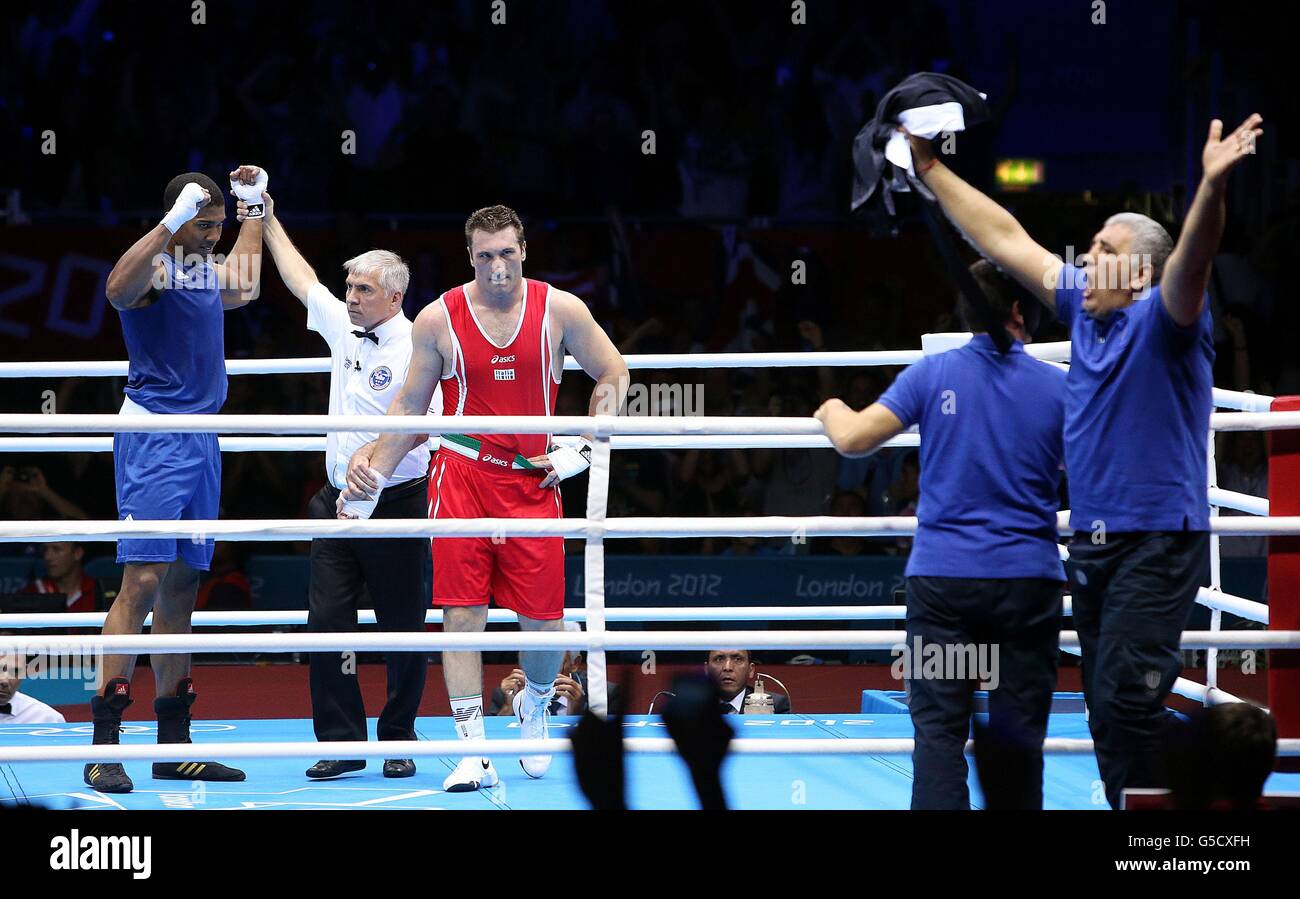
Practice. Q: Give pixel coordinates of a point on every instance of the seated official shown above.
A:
(16, 708)
(732, 670)
(570, 687)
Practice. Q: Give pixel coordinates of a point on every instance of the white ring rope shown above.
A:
(296, 618)
(1051, 352)
(317, 444)
(1237, 605)
(501, 641)
(571, 425)
(1241, 502)
(287, 529)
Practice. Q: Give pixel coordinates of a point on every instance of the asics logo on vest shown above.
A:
(487, 457)
(502, 360)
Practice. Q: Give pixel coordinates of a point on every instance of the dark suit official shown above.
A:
(733, 670)
(736, 704)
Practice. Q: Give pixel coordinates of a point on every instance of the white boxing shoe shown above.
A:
(534, 724)
(473, 773)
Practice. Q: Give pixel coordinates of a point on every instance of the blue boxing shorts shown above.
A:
(167, 477)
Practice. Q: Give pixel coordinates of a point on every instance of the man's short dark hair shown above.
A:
(493, 219)
(1242, 747)
(177, 184)
(1222, 754)
(1000, 291)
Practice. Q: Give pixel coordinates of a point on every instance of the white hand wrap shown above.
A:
(362, 509)
(187, 206)
(251, 194)
(568, 461)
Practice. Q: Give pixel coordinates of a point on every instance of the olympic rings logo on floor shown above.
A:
(81, 730)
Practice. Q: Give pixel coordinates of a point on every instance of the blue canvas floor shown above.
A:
(654, 781)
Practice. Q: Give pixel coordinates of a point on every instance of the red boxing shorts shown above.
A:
(523, 574)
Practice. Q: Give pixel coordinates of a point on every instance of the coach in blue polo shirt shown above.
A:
(984, 577)
(1136, 429)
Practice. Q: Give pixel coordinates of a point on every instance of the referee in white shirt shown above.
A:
(15, 708)
(370, 349)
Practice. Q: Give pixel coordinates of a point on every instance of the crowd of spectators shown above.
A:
(549, 107)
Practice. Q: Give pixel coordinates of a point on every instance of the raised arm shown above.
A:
(1187, 271)
(414, 397)
(994, 231)
(295, 271)
(128, 285)
(240, 276)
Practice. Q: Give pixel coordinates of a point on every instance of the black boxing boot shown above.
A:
(174, 727)
(106, 711)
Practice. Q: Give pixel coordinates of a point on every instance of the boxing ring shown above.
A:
(787, 761)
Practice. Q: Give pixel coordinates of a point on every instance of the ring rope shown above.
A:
(286, 529)
(1237, 605)
(236, 444)
(1058, 352)
(570, 425)
(405, 641)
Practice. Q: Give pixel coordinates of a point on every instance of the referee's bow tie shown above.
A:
(6, 709)
(368, 335)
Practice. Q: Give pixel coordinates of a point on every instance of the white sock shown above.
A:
(468, 712)
(540, 692)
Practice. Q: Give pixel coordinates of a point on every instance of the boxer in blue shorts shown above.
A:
(170, 292)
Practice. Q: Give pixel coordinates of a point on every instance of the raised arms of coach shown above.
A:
(997, 234)
(1187, 271)
(994, 231)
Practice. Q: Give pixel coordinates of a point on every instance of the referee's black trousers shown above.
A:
(393, 572)
(1132, 595)
(1010, 628)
